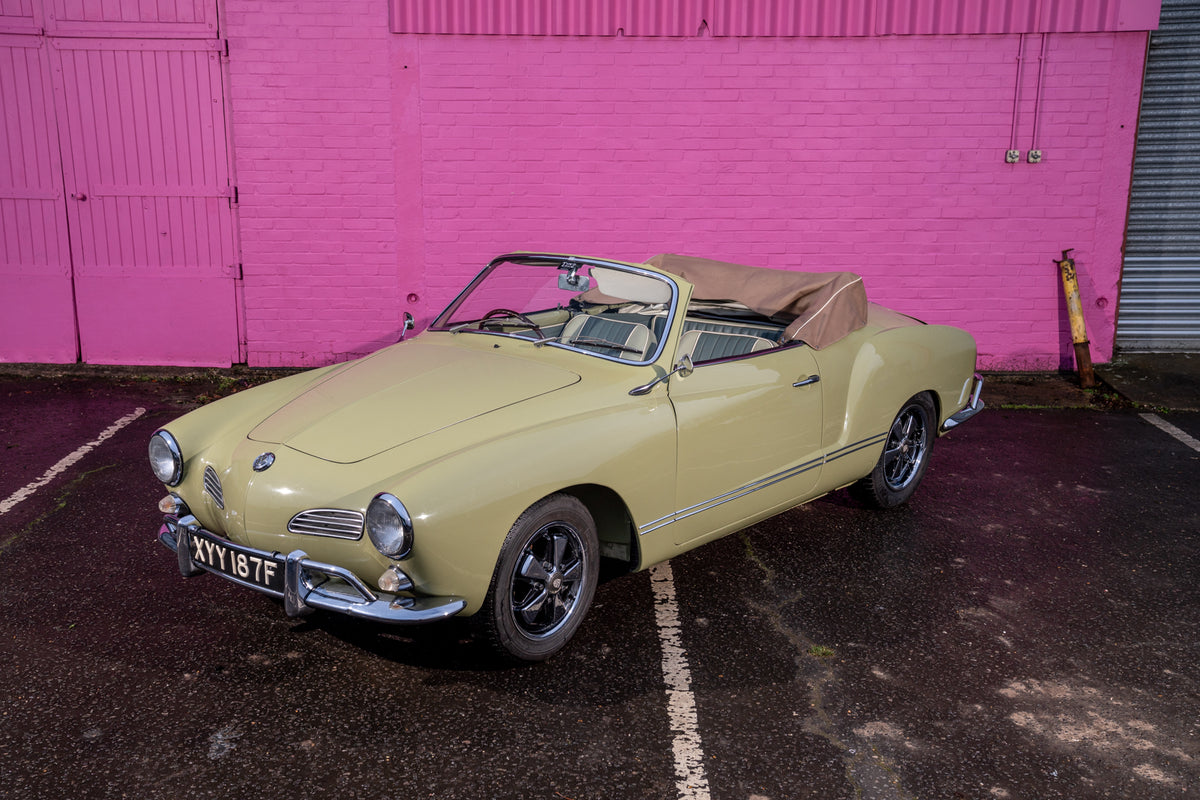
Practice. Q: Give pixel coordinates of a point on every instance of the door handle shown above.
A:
(811, 379)
(81, 196)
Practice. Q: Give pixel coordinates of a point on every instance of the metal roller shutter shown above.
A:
(1160, 285)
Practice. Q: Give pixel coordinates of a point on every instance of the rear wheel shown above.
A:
(905, 456)
(544, 581)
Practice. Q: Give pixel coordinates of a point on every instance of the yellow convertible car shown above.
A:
(562, 410)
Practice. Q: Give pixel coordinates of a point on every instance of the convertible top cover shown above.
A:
(827, 306)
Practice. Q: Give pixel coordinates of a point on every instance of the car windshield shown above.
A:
(601, 308)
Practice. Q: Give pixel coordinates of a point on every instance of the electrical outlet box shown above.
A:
(1012, 156)
(1035, 156)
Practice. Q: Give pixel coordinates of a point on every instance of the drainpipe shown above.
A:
(1014, 155)
(1083, 356)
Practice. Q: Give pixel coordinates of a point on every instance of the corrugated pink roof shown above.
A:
(769, 17)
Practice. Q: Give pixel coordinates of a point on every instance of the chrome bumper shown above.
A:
(969, 410)
(307, 584)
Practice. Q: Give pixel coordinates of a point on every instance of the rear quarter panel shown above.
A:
(867, 381)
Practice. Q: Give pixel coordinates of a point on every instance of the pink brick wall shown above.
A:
(312, 112)
(373, 166)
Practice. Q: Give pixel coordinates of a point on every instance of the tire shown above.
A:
(544, 581)
(905, 456)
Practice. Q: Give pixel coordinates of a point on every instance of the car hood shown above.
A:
(400, 394)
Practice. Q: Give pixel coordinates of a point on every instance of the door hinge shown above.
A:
(225, 50)
(233, 196)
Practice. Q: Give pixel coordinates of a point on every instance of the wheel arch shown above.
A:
(938, 405)
(886, 369)
(614, 523)
(905, 457)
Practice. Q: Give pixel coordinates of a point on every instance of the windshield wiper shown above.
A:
(604, 343)
(509, 321)
(513, 322)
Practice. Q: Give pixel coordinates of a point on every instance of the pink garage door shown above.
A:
(146, 176)
(167, 19)
(37, 315)
(117, 236)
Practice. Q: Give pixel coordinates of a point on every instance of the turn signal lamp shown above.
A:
(393, 580)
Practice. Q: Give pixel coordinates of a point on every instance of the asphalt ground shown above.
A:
(1028, 626)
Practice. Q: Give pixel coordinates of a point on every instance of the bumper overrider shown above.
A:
(973, 407)
(302, 583)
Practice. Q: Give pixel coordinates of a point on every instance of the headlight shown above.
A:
(166, 459)
(389, 526)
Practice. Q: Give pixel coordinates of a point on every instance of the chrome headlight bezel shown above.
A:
(389, 526)
(166, 458)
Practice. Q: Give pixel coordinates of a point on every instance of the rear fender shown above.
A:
(888, 369)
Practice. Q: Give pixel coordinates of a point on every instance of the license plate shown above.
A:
(242, 564)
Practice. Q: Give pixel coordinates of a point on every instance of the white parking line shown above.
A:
(65, 463)
(1168, 428)
(690, 778)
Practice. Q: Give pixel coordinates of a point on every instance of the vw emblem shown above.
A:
(264, 462)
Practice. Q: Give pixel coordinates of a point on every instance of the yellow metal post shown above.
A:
(1083, 356)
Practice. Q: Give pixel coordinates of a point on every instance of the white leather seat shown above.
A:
(709, 345)
(631, 341)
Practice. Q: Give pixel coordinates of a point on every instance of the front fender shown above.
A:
(467, 485)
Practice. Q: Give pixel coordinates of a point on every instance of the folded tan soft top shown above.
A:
(826, 306)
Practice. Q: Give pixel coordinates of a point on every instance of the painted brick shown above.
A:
(374, 165)
(313, 116)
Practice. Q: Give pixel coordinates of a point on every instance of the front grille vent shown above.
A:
(335, 522)
(212, 485)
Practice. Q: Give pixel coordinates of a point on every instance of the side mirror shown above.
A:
(408, 325)
(684, 367)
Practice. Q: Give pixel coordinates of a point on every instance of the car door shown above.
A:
(749, 439)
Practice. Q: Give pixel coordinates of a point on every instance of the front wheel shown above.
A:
(544, 581)
(905, 456)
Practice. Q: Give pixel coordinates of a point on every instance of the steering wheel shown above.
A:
(504, 312)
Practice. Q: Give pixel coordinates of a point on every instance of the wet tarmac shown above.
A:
(1028, 626)
(1165, 381)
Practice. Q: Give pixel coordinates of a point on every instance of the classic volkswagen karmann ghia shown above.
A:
(560, 411)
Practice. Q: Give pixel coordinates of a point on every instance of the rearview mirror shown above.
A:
(573, 282)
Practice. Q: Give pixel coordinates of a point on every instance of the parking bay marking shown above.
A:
(69, 461)
(690, 778)
(1171, 430)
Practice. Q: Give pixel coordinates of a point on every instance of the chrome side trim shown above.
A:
(656, 524)
(762, 483)
(850, 449)
(737, 494)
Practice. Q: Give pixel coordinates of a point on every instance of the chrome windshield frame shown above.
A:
(552, 259)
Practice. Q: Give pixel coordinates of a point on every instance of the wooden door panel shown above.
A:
(146, 171)
(37, 318)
